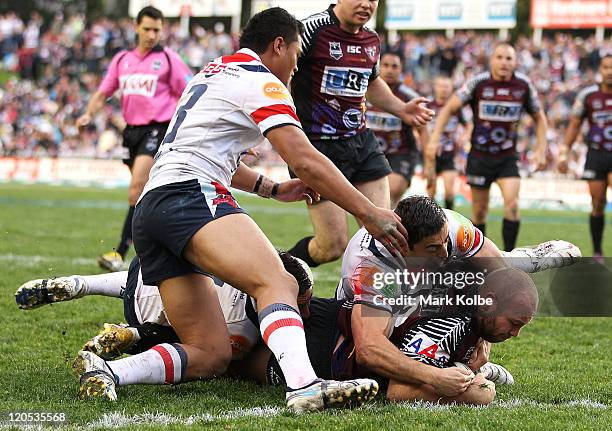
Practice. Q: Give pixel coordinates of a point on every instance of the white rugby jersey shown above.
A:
(226, 109)
(365, 256)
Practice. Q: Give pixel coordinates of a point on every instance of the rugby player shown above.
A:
(436, 342)
(396, 138)
(435, 236)
(187, 221)
(450, 142)
(337, 71)
(147, 323)
(594, 103)
(151, 79)
(497, 98)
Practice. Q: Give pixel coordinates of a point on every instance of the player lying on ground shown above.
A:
(441, 236)
(149, 326)
(144, 312)
(445, 340)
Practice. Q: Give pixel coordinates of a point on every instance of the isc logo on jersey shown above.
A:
(500, 111)
(275, 90)
(422, 345)
(138, 84)
(345, 81)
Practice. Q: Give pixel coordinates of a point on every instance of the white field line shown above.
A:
(35, 260)
(121, 419)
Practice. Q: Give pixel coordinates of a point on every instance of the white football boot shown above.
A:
(549, 254)
(324, 394)
(36, 293)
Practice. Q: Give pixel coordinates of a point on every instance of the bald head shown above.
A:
(513, 291)
(503, 62)
(514, 302)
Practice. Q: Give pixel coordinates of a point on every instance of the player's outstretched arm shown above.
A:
(480, 392)
(319, 173)
(374, 351)
(414, 113)
(571, 133)
(249, 180)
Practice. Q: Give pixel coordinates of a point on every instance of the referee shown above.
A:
(151, 79)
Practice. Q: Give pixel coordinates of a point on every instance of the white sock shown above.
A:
(283, 331)
(111, 284)
(164, 363)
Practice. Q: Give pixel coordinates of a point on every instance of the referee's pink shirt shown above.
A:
(150, 86)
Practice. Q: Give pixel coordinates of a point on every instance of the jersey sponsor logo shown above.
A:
(335, 50)
(488, 93)
(597, 104)
(138, 84)
(334, 104)
(422, 345)
(383, 122)
(503, 91)
(371, 52)
(156, 65)
(274, 90)
(518, 93)
(499, 111)
(353, 49)
(602, 117)
(352, 118)
(345, 81)
(213, 68)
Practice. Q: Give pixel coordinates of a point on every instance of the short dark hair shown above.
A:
(149, 11)
(294, 267)
(397, 54)
(266, 26)
(421, 216)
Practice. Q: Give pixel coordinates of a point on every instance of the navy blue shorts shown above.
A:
(167, 217)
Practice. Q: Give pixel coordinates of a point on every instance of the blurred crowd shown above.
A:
(57, 66)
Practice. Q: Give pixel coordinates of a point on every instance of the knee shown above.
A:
(280, 281)
(210, 362)
(512, 209)
(598, 207)
(480, 213)
(332, 250)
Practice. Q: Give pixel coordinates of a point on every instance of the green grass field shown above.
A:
(561, 365)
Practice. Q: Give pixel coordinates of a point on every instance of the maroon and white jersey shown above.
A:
(596, 106)
(333, 75)
(394, 136)
(497, 108)
(448, 140)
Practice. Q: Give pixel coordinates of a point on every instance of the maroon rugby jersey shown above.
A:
(448, 140)
(438, 341)
(333, 75)
(394, 136)
(497, 108)
(596, 106)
